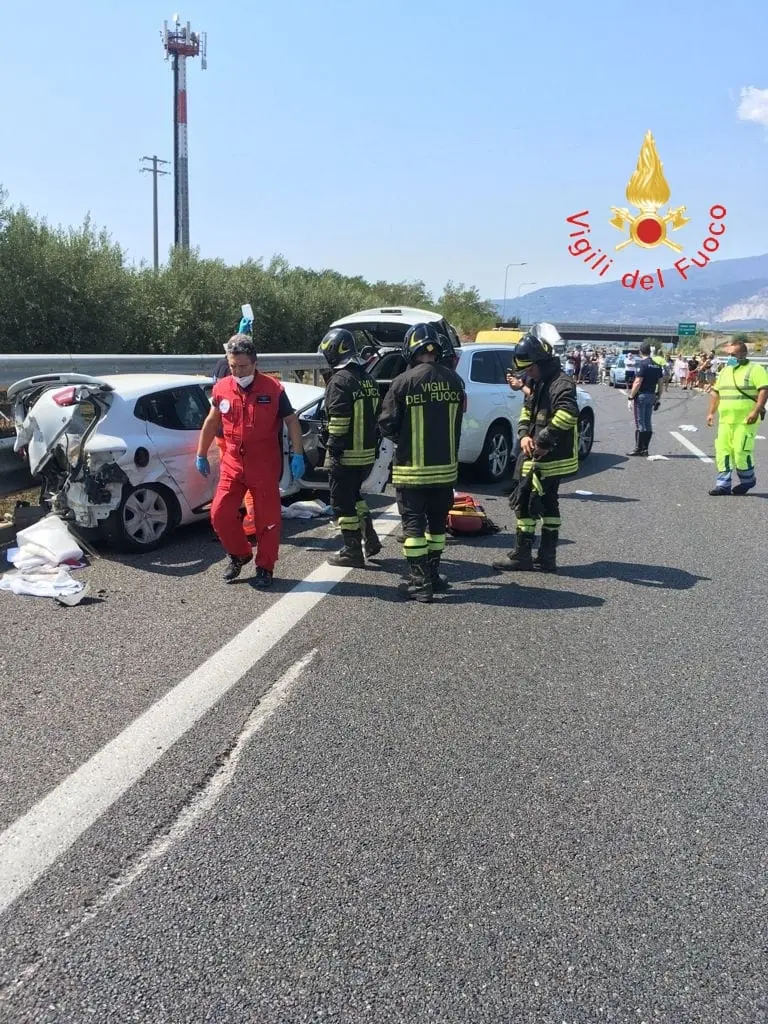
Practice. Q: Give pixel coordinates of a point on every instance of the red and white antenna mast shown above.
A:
(181, 42)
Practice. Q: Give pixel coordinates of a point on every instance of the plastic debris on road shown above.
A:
(585, 494)
(689, 428)
(657, 458)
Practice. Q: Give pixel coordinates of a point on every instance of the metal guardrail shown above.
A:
(13, 368)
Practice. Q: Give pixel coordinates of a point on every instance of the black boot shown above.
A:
(638, 447)
(235, 567)
(351, 555)
(370, 537)
(439, 583)
(546, 555)
(520, 558)
(418, 587)
(645, 440)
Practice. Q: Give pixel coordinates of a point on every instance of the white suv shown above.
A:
(489, 428)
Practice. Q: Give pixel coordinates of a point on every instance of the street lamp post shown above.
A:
(520, 288)
(504, 303)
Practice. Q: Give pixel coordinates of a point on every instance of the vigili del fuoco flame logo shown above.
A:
(648, 192)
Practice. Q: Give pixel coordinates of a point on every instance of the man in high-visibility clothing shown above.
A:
(548, 434)
(738, 398)
(351, 404)
(251, 408)
(421, 413)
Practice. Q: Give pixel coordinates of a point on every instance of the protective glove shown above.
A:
(202, 465)
(297, 466)
(246, 326)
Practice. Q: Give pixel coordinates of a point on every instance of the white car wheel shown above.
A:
(146, 517)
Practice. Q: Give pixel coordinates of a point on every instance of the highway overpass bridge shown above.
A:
(618, 334)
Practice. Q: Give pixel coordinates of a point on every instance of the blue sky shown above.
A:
(398, 139)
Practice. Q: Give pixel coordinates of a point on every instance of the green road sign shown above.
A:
(686, 330)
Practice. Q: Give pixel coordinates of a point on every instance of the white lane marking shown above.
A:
(199, 806)
(36, 840)
(691, 447)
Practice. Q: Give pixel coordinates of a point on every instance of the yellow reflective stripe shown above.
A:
(452, 412)
(525, 416)
(359, 423)
(563, 420)
(426, 476)
(417, 435)
(338, 425)
(363, 458)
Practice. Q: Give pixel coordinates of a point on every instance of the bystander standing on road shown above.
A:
(738, 399)
(644, 398)
(681, 371)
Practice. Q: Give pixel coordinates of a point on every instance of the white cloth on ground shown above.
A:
(44, 581)
(46, 542)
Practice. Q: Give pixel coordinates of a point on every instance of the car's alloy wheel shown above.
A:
(494, 458)
(146, 517)
(586, 435)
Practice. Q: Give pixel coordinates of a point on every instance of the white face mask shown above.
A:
(245, 381)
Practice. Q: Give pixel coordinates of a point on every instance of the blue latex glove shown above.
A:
(297, 466)
(202, 465)
(246, 326)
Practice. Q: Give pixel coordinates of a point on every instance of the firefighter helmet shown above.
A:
(338, 347)
(421, 338)
(537, 346)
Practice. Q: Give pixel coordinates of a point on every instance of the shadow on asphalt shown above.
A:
(661, 577)
(598, 462)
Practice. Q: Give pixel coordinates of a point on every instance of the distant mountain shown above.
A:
(727, 294)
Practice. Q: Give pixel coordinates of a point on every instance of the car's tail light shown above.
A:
(65, 397)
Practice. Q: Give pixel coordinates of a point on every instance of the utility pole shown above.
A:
(154, 170)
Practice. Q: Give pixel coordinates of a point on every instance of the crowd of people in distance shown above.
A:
(690, 372)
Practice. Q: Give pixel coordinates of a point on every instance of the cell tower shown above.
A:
(181, 42)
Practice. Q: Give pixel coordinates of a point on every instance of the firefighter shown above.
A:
(351, 405)
(250, 407)
(421, 414)
(548, 436)
(738, 398)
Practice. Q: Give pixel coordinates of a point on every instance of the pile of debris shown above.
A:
(44, 557)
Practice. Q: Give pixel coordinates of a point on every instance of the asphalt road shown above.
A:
(538, 800)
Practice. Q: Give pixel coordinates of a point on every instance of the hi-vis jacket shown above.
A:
(550, 416)
(734, 406)
(422, 414)
(352, 403)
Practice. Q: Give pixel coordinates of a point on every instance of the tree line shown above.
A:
(73, 290)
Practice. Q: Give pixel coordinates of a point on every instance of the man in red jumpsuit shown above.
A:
(250, 408)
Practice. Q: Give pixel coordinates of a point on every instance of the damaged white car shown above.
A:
(117, 453)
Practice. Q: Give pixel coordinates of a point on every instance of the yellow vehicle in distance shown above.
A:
(508, 335)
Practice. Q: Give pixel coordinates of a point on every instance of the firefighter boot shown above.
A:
(418, 587)
(546, 556)
(439, 583)
(351, 555)
(638, 446)
(371, 538)
(520, 558)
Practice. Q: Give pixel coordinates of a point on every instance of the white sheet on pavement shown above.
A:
(44, 581)
(306, 510)
(47, 542)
